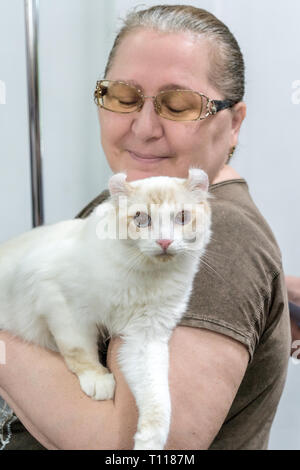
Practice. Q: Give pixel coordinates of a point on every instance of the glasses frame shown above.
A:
(212, 106)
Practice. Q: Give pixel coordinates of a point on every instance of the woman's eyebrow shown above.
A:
(169, 86)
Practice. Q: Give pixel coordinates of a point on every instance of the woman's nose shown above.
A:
(146, 122)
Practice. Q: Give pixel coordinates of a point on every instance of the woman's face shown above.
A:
(154, 61)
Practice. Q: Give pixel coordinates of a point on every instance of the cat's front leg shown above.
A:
(79, 348)
(145, 366)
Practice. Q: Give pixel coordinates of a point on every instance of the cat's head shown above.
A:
(163, 217)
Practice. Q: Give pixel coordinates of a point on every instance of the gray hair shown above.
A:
(227, 70)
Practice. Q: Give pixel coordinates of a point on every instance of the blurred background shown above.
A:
(75, 37)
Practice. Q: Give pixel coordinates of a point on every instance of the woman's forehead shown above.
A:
(167, 48)
(164, 59)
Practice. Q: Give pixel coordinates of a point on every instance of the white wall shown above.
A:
(74, 42)
(75, 37)
(15, 197)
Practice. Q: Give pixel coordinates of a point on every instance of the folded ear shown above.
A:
(118, 186)
(197, 180)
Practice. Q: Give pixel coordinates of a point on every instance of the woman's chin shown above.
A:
(134, 174)
(137, 169)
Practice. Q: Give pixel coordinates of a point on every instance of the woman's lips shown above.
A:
(145, 159)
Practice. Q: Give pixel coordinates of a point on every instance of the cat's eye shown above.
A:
(142, 220)
(183, 217)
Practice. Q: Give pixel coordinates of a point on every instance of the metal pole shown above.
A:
(31, 29)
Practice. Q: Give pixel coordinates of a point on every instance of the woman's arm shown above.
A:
(293, 290)
(48, 399)
(206, 370)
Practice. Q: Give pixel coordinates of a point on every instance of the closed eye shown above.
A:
(176, 110)
(128, 103)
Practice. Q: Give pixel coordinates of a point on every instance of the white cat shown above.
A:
(60, 283)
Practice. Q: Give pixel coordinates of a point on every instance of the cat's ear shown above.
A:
(118, 186)
(197, 180)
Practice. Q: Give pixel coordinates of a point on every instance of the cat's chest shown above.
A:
(144, 289)
(130, 292)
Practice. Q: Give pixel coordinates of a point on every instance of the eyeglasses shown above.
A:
(176, 105)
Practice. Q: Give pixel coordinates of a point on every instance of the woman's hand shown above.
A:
(293, 289)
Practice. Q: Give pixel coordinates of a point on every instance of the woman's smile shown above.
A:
(146, 159)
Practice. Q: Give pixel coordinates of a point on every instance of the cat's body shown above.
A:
(60, 283)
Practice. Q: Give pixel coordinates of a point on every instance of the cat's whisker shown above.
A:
(210, 267)
(206, 264)
(220, 255)
(208, 258)
(134, 263)
(131, 266)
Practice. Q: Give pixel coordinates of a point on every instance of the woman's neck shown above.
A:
(226, 173)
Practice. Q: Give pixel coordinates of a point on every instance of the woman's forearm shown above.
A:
(49, 401)
(34, 431)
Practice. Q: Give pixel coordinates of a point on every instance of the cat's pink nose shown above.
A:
(164, 243)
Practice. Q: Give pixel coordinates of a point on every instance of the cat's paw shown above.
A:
(145, 442)
(96, 385)
(147, 445)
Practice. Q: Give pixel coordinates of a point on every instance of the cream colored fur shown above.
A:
(60, 283)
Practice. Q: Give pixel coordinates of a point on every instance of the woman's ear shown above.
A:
(239, 112)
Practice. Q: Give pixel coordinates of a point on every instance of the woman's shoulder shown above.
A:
(240, 227)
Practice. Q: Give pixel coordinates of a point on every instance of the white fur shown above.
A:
(59, 283)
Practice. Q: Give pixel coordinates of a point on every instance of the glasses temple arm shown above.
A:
(223, 104)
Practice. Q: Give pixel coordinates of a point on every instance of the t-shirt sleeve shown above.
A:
(233, 289)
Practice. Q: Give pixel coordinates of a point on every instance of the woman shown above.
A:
(229, 355)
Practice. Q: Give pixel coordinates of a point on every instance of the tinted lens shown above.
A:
(118, 97)
(181, 105)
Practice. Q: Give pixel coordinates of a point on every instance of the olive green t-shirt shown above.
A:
(239, 292)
